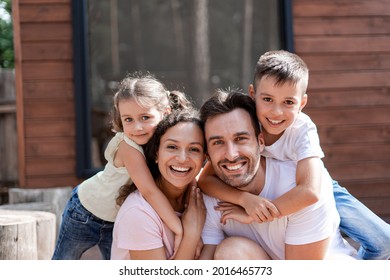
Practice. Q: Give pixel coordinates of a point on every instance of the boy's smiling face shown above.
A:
(277, 105)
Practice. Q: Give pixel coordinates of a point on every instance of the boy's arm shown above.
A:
(140, 175)
(211, 185)
(259, 209)
(307, 190)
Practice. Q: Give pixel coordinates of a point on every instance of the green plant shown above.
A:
(6, 35)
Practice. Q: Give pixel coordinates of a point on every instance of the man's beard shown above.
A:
(240, 181)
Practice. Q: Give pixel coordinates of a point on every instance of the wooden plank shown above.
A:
(53, 31)
(44, 1)
(367, 189)
(341, 44)
(50, 166)
(54, 89)
(347, 62)
(349, 80)
(9, 145)
(379, 205)
(52, 180)
(341, 25)
(19, 91)
(47, 51)
(359, 170)
(350, 115)
(348, 152)
(48, 147)
(318, 8)
(45, 13)
(348, 97)
(47, 70)
(367, 134)
(50, 109)
(53, 127)
(7, 108)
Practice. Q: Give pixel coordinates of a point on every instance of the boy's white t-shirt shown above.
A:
(311, 224)
(299, 141)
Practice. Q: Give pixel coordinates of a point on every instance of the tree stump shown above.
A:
(18, 237)
(45, 230)
(58, 197)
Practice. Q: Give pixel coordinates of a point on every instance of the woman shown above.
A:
(175, 154)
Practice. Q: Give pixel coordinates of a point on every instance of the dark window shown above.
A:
(194, 46)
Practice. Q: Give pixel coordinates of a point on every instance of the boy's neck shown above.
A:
(269, 139)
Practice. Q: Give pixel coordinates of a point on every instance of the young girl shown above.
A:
(88, 219)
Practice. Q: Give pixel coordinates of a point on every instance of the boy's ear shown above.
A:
(303, 102)
(251, 90)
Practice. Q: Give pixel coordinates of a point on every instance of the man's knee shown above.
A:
(239, 248)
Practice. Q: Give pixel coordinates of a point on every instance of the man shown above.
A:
(234, 144)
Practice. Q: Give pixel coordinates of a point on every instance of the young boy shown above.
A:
(279, 90)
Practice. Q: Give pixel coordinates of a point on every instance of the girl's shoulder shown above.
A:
(133, 144)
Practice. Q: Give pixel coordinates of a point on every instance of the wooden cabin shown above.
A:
(344, 42)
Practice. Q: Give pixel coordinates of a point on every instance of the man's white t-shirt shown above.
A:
(313, 223)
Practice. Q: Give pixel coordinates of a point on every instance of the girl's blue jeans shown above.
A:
(81, 230)
(362, 225)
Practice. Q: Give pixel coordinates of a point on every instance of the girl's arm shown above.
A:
(307, 190)
(258, 208)
(139, 173)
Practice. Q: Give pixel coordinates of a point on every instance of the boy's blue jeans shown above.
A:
(362, 225)
(81, 230)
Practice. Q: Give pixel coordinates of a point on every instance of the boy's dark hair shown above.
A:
(225, 101)
(284, 67)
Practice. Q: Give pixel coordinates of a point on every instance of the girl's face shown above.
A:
(180, 155)
(139, 123)
(277, 106)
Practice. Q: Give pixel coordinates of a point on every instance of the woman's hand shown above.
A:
(193, 220)
(195, 214)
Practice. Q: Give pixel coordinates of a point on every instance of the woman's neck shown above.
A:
(176, 196)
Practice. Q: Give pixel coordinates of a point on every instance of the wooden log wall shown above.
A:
(44, 88)
(346, 46)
